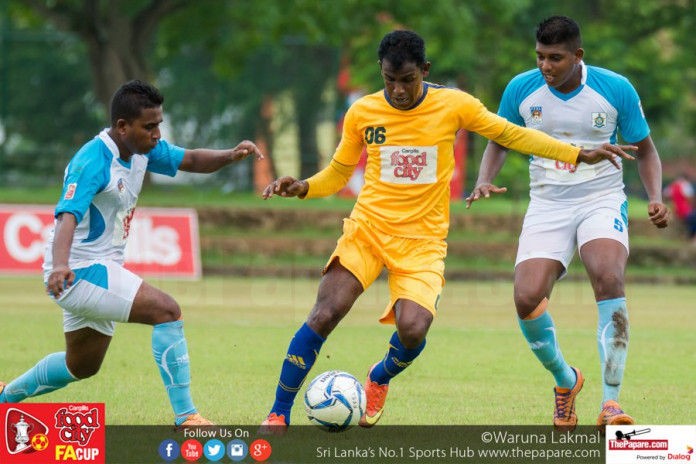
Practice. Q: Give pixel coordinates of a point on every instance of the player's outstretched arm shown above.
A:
(608, 152)
(493, 159)
(286, 186)
(204, 160)
(62, 277)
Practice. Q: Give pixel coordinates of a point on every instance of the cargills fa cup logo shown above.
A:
(21, 428)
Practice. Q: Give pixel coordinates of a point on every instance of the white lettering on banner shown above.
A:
(163, 242)
(152, 245)
(13, 230)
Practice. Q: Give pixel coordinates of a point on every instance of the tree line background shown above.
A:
(250, 69)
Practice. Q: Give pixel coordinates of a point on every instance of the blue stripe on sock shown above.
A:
(301, 355)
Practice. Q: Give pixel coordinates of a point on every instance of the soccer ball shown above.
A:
(334, 401)
(39, 442)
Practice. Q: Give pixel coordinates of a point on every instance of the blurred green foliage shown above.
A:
(219, 63)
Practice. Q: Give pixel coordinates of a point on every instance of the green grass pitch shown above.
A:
(476, 369)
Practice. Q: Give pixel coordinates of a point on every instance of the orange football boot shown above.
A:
(612, 414)
(274, 425)
(376, 395)
(564, 416)
(193, 420)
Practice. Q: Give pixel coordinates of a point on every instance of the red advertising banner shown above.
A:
(38, 433)
(162, 242)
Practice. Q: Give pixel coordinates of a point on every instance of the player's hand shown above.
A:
(606, 151)
(244, 149)
(60, 276)
(286, 187)
(483, 190)
(659, 214)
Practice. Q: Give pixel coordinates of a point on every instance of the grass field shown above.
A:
(476, 368)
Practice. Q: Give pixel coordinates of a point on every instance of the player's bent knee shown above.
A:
(84, 372)
(528, 303)
(413, 332)
(324, 319)
(609, 286)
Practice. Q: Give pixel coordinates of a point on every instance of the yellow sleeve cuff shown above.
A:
(537, 143)
(329, 180)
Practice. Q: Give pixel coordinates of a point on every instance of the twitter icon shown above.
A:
(214, 450)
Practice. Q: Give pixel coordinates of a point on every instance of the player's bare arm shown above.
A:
(493, 159)
(650, 170)
(62, 274)
(286, 186)
(606, 151)
(203, 160)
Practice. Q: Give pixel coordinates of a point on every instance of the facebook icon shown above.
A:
(169, 450)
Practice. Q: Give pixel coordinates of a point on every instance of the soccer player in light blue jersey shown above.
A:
(571, 206)
(83, 264)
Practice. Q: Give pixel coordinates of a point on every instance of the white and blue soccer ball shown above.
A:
(334, 401)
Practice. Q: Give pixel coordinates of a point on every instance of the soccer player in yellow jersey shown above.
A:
(401, 217)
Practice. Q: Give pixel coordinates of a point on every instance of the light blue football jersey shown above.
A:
(603, 104)
(102, 190)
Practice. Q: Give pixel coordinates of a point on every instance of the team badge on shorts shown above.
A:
(536, 114)
(599, 120)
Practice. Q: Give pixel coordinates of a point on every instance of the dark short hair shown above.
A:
(399, 47)
(131, 98)
(559, 30)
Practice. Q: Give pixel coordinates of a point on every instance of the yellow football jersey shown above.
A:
(410, 157)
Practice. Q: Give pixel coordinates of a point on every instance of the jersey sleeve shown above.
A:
(632, 123)
(165, 158)
(86, 175)
(351, 146)
(510, 104)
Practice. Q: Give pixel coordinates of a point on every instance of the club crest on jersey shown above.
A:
(70, 191)
(120, 186)
(536, 114)
(599, 120)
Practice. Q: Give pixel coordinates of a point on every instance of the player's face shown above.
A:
(404, 85)
(560, 66)
(143, 133)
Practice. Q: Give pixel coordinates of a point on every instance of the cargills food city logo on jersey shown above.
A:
(409, 164)
(39, 433)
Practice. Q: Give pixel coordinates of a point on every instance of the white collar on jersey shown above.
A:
(108, 141)
(583, 80)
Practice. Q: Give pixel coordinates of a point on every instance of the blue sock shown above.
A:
(302, 352)
(396, 360)
(49, 374)
(171, 355)
(612, 340)
(541, 335)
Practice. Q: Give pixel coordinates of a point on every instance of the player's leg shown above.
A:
(405, 345)
(546, 246)
(338, 290)
(85, 349)
(87, 338)
(605, 262)
(534, 280)
(416, 277)
(603, 243)
(154, 307)
(350, 270)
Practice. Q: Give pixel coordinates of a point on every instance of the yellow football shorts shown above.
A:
(416, 266)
